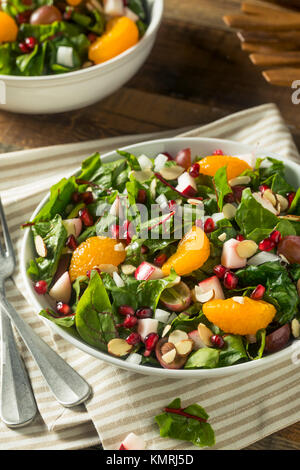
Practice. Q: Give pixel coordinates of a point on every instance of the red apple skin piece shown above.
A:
(177, 364)
(278, 339)
(289, 247)
(62, 267)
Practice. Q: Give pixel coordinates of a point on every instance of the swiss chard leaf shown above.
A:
(60, 196)
(233, 351)
(65, 321)
(186, 428)
(204, 358)
(94, 319)
(221, 185)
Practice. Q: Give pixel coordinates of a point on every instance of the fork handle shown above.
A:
(18, 407)
(68, 387)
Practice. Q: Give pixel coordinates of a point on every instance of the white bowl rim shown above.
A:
(143, 369)
(153, 26)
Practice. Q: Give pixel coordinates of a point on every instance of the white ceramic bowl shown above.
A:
(199, 146)
(68, 91)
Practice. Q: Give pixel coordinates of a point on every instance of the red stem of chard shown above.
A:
(179, 411)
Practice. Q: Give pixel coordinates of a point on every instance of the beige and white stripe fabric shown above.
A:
(243, 408)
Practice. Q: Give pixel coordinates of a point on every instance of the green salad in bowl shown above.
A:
(171, 260)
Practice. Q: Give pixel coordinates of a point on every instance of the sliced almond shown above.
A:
(171, 172)
(170, 356)
(184, 347)
(177, 335)
(295, 326)
(195, 202)
(268, 194)
(283, 203)
(119, 247)
(40, 246)
(205, 334)
(166, 331)
(128, 269)
(222, 237)
(119, 347)
(152, 188)
(203, 296)
(239, 299)
(239, 180)
(107, 268)
(284, 259)
(167, 347)
(229, 211)
(246, 248)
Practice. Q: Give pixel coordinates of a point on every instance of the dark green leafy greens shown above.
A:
(191, 425)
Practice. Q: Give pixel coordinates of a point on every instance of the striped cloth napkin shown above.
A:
(243, 408)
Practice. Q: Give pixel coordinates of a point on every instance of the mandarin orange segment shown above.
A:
(74, 3)
(94, 252)
(192, 252)
(121, 33)
(235, 166)
(244, 318)
(8, 28)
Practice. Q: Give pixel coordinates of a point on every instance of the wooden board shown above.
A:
(195, 74)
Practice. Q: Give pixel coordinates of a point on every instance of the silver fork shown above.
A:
(68, 387)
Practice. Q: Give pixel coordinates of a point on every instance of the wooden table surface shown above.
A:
(195, 74)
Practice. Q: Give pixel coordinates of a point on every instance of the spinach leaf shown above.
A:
(32, 63)
(204, 358)
(278, 184)
(224, 226)
(221, 185)
(54, 236)
(60, 196)
(280, 289)
(139, 7)
(94, 319)
(233, 351)
(295, 206)
(250, 215)
(186, 322)
(255, 351)
(186, 427)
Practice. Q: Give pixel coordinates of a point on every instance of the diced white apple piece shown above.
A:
(130, 14)
(134, 358)
(147, 326)
(147, 271)
(145, 162)
(162, 315)
(64, 56)
(230, 259)
(186, 180)
(212, 283)
(262, 257)
(198, 343)
(162, 201)
(133, 442)
(61, 290)
(114, 7)
(160, 161)
(265, 203)
(73, 226)
(118, 280)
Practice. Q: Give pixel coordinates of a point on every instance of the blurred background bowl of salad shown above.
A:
(66, 87)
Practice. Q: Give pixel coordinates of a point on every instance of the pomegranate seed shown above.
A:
(89, 272)
(217, 341)
(87, 197)
(144, 249)
(23, 48)
(31, 42)
(115, 231)
(86, 217)
(189, 192)
(144, 312)
(209, 225)
(263, 187)
(258, 292)
(230, 280)
(130, 321)
(160, 259)
(167, 154)
(194, 170)
(71, 242)
(172, 205)
(275, 236)
(76, 197)
(220, 271)
(218, 152)
(142, 196)
(240, 237)
(23, 17)
(133, 339)
(40, 287)
(62, 308)
(151, 341)
(290, 197)
(125, 310)
(238, 191)
(266, 245)
(92, 37)
(229, 198)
